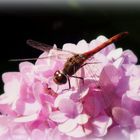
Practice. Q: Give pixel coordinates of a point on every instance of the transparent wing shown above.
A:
(38, 45)
(47, 48)
(33, 59)
(53, 52)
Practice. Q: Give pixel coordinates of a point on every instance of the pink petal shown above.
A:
(115, 54)
(118, 63)
(130, 57)
(100, 125)
(122, 116)
(93, 44)
(38, 89)
(93, 103)
(109, 80)
(60, 97)
(67, 126)
(26, 67)
(109, 77)
(27, 71)
(19, 133)
(31, 108)
(121, 87)
(132, 69)
(8, 76)
(117, 133)
(5, 99)
(6, 109)
(135, 135)
(44, 99)
(26, 118)
(37, 134)
(57, 116)
(42, 72)
(10, 130)
(79, 107)
(134, 83)
(44, 94)
(69, 47)
(12, 88)
(82, 119)
(83, 45)
(42, 61)
(131, 103)
(68, 106)
(80, 94)
(5, 136)
(11, 94)
(75, 48)
(4, 124)
(136, 121)
(19, 106)
(54, 134)
(79, 132)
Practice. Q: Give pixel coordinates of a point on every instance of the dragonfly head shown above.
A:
(59, 77)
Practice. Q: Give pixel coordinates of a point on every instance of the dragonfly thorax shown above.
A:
(59, 77)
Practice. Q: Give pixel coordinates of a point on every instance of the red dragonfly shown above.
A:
(73, 63)
(77, 61)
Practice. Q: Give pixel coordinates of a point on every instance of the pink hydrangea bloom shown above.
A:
(104, 107)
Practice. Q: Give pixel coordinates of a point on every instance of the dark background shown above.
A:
(60, 25)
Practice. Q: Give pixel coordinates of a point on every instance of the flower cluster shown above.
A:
(105, 106)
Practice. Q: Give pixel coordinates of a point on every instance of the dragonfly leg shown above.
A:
(68, 83)
(81, 78)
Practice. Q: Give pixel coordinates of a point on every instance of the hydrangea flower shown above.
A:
(104, 107)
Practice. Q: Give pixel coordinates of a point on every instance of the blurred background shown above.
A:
(63, 22)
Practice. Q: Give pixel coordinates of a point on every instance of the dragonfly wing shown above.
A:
(93, 69)
(60, 54)
(53, 55)
(45, 47)
(38, 45)
(36, 58)
(54, 52)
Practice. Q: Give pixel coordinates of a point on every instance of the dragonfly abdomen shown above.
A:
(111, 40)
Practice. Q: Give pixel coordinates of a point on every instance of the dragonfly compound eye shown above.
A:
(59, 78)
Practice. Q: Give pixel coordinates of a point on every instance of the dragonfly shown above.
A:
(77, 61)
(73, 63)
